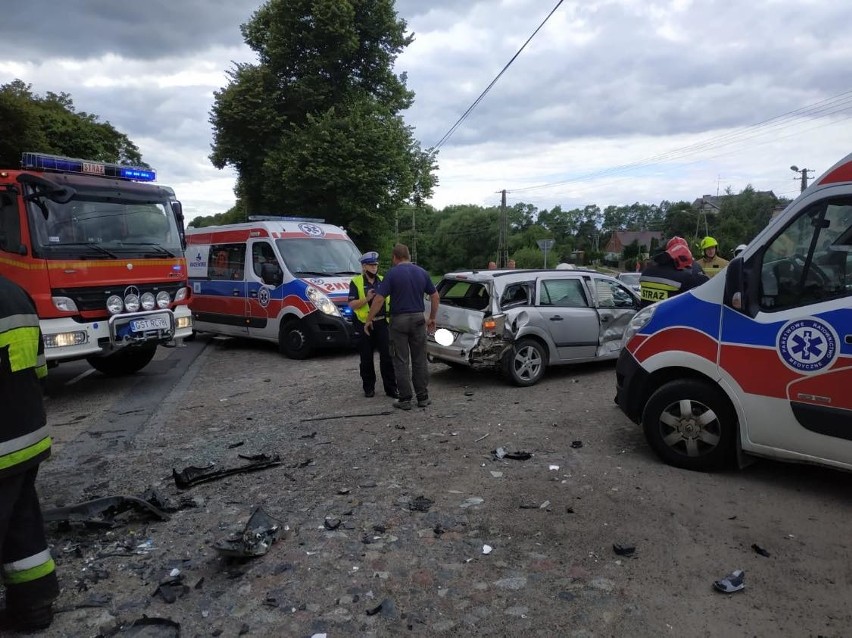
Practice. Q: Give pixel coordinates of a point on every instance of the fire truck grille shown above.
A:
(95, 297)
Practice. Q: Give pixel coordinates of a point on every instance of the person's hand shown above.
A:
(370, 295)
(430, 326)
(368, 327)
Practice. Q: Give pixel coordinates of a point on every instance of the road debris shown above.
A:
(192, 475)
(484, 436)
(487, 549)
(501, 453)
(760, 550)
(420, 504)
(345, 416)
(733, 582)
(168, 628)
(102, 512)
(576, 444)
(624, 550)
(259, 534)
(171, 588)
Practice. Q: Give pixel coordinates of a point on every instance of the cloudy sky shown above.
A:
(612, 102)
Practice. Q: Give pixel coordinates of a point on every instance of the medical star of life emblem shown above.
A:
(312, 229)
(263, 296)
(807, 345)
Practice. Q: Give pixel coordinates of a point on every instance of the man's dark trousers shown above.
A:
(378, 339)
(408, 335)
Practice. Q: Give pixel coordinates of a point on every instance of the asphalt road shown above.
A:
(391, 562)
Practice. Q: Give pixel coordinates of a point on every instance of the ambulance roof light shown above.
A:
(279, 218)
(45, 162)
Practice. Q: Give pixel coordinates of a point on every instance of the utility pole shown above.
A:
(503, 238)
(804, 172)
(414, 233)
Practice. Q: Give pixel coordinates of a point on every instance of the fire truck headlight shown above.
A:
(63, 339)
(163, 299)
(64, 304)
(131, 302)
(181, 294)
(322, 302)
(115, 304)
(148, 301)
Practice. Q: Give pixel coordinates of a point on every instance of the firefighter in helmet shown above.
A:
(710, 261)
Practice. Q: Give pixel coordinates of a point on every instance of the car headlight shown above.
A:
(163, 299)
(639, 321)
(148, 301)
(322, 302)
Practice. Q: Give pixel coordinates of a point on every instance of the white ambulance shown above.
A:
(759, 359)
(284, 280)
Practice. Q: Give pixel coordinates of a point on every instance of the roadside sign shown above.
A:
(545, 245)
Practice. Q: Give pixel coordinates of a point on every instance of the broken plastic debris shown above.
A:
(733, 582)
(168, 628)
(487, 549)
(576, 444)
(420, 504)
(171, 588)
(101, 512)
(553, 467)
(623, 550)
(331, 523)
(760, 550)
(473, 501)
(501, 453)
(259, 534)
(194, 475)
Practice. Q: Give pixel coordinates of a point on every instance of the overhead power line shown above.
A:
(469, 110)
(832, 106)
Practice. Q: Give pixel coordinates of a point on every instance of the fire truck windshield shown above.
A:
(95, 226)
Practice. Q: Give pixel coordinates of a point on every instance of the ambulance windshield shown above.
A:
(320, 257)
(92, 224)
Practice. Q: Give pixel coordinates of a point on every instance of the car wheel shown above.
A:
(690, 424)
(294, 341)
(128, 360)
(524, 364)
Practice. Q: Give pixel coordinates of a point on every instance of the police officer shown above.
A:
(362, 290)
(27, 568)
(710, 261)
(670, 273)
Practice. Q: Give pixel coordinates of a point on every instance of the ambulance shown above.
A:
(757, 361)
(278, 279)
(99, 250)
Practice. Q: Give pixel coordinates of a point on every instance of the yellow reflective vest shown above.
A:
(364, 310)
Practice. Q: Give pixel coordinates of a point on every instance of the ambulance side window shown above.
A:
(227, 261)
(10, 224)
(810, 260)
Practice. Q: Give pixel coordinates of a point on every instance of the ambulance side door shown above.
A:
(805, 312)
(220, 301)
(263, 298)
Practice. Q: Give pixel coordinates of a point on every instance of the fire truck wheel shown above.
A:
(126, 361)
(294, 341)
(690, 424)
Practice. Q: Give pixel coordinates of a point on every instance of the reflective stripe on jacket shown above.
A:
(24, 441)
(364, 310)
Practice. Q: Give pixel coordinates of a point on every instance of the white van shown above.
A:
(285, 281)
(759, 359)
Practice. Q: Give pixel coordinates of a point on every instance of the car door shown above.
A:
(219, 301)
(616, 306)
(793, 359)
(263, 300)
(564, 311)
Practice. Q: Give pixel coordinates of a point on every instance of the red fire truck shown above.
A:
(99, 249)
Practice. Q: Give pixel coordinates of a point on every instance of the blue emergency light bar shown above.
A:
(43, 162)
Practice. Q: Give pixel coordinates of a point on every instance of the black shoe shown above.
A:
(369, 393)
(402, 405)
(422, 403)
(30, 619)
(393, 395)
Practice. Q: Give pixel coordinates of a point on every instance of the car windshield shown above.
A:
(320, 257)
(630, 278)
(103, 227)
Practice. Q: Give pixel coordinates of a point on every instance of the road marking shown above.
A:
(80, 376)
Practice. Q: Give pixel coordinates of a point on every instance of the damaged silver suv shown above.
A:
(521, 321)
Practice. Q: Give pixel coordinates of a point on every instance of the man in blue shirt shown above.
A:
(405, 284)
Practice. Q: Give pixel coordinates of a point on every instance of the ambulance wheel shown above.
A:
(294, 340)
(125, 361)
(690, 424)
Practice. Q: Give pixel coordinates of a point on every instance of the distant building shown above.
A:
(712, 204)
(622, 238)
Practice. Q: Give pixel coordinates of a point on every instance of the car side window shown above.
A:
(809, 261)
(227, 261)
(563, 293)
(611, 294)
(262, 253)
(515, 295)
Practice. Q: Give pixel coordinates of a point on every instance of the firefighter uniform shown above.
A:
(27, 569)
(670, 273)
(379, 337)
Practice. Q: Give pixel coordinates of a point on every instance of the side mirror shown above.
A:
(178, 210)
(271, 274)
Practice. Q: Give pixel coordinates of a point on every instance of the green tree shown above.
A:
(314, 128)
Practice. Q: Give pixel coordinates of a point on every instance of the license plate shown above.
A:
(149, 323)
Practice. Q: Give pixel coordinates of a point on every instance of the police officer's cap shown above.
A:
(371, 257)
